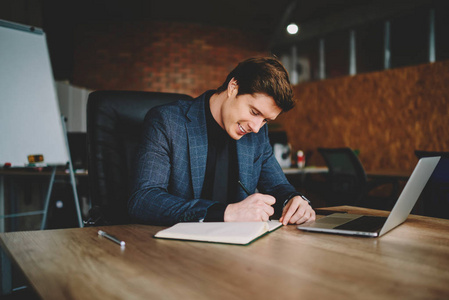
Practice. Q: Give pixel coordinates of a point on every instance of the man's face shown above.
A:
(244, 114)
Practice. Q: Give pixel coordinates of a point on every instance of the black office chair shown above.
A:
(347, 182)
(114, 128)
(423, 153)
(434, 199)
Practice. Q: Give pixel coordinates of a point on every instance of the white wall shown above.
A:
(73, 104)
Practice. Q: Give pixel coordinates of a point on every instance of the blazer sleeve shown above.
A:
(153, 198)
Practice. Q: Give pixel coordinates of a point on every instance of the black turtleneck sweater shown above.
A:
(220, 180)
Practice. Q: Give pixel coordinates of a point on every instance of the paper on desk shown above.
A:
(219, 232)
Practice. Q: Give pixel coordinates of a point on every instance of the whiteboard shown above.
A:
(30, 119)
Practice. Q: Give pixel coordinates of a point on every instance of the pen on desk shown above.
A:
(244, 188)
(112, 238)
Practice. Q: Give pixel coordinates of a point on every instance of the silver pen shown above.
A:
(112, 238)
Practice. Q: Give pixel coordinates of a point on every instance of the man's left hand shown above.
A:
(297, 211)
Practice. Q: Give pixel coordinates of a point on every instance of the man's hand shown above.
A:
(256, 207)
(297, 211)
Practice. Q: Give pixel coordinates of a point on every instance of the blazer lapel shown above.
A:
(197, 141)
(245, 158)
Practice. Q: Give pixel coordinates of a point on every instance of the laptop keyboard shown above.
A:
(364, 223)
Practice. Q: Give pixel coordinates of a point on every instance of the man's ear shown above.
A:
(233, 87)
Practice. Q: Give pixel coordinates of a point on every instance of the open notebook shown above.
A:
(241, 233)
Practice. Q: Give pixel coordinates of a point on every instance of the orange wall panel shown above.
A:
(386, 115)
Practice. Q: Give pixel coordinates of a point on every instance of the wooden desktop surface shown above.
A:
(409, 262)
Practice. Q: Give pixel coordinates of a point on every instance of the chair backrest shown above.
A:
(114, 129)
(347, 177)
(422, 153)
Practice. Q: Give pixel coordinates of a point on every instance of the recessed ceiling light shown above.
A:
(292, 28)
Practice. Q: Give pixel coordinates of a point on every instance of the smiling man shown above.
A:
(194, 154)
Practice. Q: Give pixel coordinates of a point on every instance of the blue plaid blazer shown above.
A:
(171, 163)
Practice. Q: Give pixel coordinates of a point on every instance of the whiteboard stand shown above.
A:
(30, 213)
(29, 110)
(47, 198)
(72, 181)
(72, 175)
(44, 212)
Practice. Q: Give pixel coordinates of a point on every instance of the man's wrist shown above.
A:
(292, 195)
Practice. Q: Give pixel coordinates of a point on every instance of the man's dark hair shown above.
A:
(264, 75)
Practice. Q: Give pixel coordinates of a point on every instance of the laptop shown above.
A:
(374, 226)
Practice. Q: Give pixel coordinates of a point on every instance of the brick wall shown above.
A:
(387, 115)
(159, 56)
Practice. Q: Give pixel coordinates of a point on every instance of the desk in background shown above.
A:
(32, 185)
(410, 262)
(400, 175)
(394, 174)
(297, 176)
(306, 170)
(313, 180)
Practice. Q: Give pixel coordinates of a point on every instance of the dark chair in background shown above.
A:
(422, 153)
(434, 199)
(114, 128)
(347, 182)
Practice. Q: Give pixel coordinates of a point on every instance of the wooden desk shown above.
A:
(410, 262)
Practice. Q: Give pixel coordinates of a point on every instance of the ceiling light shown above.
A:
(292, 28)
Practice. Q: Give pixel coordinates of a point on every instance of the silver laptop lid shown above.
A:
(410, 193)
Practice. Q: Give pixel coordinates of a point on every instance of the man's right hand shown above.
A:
(256, 207)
